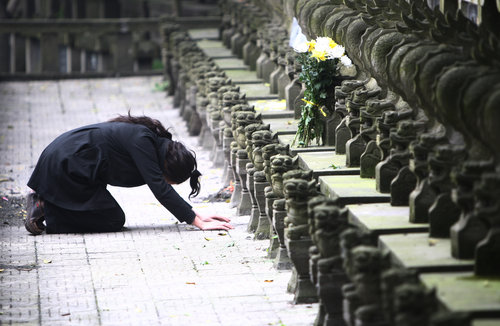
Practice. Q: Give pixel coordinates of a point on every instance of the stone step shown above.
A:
(215, 49)
(485, 322)
(256, 92)
(282, 126)
(381, 219)
(285, 139)
(351, 189)
(465, 292)
(230, 64)
(270, 109)
(203, 34)
(426, 255)
(243, 76)
(325, 163)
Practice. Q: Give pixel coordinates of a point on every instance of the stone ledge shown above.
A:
(287, 139)
(282, 125)
(465, 292)
(379, 219)
(351, 189)
(256, 92)
(243, 76)
(426, 255)
(321, 164)
(231, 64)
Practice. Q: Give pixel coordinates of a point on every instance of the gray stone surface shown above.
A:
(383, 219)
(156, 272)
(282, 126)
(215, 49)
(420, 252)
(482, 299)
(351, 189)
(287, 139)
(242, 77)
(325, 163)
(230, 64)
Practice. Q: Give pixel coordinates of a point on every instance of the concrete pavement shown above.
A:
(156, 272)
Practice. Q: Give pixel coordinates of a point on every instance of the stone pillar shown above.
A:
(236, 196)
(487, 192)
(49, 52)
(282, 261)
(470, 229)
(83, 60)
(298, 189)
(94, 9)
(263, 230)
(244, 206)
(177, 8)
(12, 53)
(4, 53)
(122, 58)
(254, 212)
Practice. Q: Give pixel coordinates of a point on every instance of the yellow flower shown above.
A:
(332, 44)
(319, 55)
(311, 45)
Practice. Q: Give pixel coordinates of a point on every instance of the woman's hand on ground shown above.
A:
(213, 218)
(212, 223)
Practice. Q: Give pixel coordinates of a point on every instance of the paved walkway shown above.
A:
(157, 272)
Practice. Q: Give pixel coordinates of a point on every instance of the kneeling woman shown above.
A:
(70, 178)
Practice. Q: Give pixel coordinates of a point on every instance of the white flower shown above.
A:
(337, 52)
(301, 47)
(345, 60)
(323, 44)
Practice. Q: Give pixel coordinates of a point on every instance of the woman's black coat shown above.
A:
(75, 168)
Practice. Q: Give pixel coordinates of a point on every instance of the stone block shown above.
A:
(351, 189)
(418, 251)
(325, 163)
(282, 125)
(465, 292)
(258, 91)
(383, 219)
(230, 64)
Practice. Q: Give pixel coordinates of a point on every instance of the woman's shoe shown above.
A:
(35, 214)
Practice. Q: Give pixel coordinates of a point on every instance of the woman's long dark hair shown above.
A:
(180, 163)
(153, 124)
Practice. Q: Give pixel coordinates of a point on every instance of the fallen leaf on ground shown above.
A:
(66, 314)
(191, 283)
(433, 242)
(208, 239)
(268, 281)
(221, 233)
(1, 270)
(47, 261)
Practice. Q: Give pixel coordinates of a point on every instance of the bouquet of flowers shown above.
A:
(320, 60)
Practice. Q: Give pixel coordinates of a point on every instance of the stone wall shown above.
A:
(412, 213)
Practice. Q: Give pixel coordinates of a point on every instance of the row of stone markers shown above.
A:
(393, 221)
